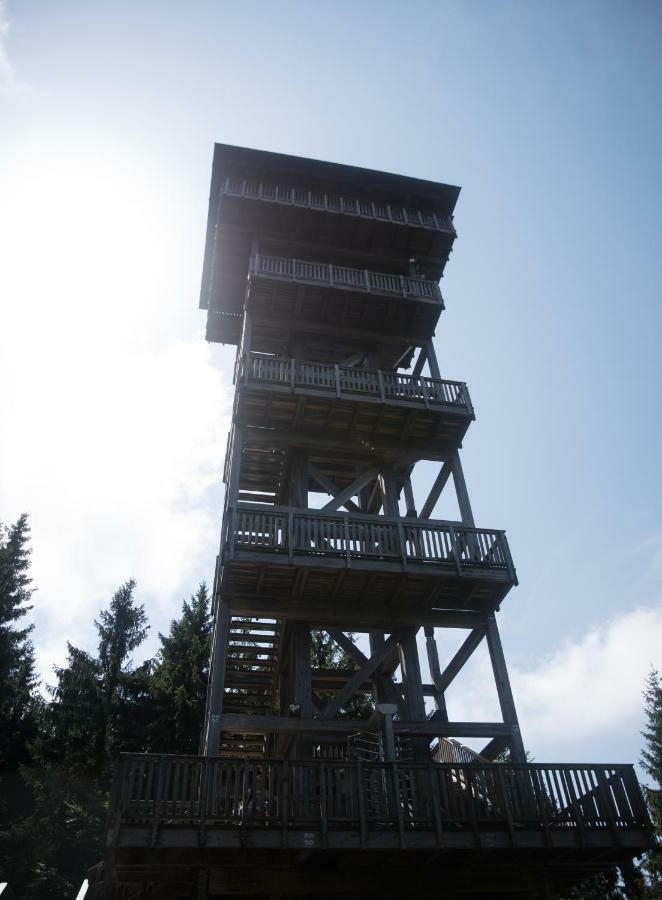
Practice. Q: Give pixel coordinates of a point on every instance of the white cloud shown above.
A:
(583, 700)
(591, 687)
(113, 430)
(9, 81)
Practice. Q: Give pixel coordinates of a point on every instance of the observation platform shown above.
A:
(343, 220)
(300, 292)
(279, 559)
(274, 827)
(337, 401)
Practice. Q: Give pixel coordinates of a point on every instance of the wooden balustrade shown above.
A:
(305, 272)
(351, 536)
(335, 203)
(350, 381)
(325, 794)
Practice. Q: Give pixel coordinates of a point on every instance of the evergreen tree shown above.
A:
(17, 667)
(95, 714)
(99, 708)
(19, 704)
(651, 763)
(326, 654)
(179, 681)
(603, 886)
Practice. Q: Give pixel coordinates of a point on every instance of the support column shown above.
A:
(504, 692)
(466, 513)
(389, 492)
(432, 360)
(303, 684)
(232, 486)
(212, 733)
(435, 673)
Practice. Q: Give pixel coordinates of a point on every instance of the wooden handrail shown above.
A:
(340, 205)
(305, 271)
(291, 530)
(351, 381)
(363, 796)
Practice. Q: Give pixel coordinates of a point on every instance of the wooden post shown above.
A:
(413, 688)
(409, 499)
(502, 682)
(303, 686)
(389, 492)
(232, 487)
(432, 360)
(212, 733)
(435, 673)
(461, 490)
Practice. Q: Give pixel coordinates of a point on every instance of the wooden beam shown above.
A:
(466, 513)
(409, 498)
(348, 645)
(389, 492)
(354, 684)
(432, 360)
(420, 362)
(240, 723)
(502, 682)
(354, 360)
(341, 498)
(435, 672)
(322, 615)
(411, 674)
(435, 490)
(457, 662)
(496, 746)
(330, 487)
(212, 727)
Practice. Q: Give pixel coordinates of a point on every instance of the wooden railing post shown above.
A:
(380, 379)
(156, 812)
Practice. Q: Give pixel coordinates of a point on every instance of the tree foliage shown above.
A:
(179, 681)
(651, 763)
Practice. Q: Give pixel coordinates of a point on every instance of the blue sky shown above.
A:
(549, 115)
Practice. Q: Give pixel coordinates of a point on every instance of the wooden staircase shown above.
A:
(251, 680)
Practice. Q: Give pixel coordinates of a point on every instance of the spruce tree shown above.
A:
(98, 709)
(17, 667)
(19, 704)
(179, 681)
(651, 763)
(326, 654)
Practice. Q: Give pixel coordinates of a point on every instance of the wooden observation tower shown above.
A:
(325, 277)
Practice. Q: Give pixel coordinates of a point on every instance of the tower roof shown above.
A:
(292, 172)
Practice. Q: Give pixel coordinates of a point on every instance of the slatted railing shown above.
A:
(335, 203)
(304, 271)
(350, 381)
(329, 794)
(352, 536)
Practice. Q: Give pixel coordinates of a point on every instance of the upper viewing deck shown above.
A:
(382, 221)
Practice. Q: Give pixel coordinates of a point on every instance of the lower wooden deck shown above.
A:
(194, 827)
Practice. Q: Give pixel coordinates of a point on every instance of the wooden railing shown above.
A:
(348, 381)
(335, 203)
(306, 272)
(350, 536)
(323, 795)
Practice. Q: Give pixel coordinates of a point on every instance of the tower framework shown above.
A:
(350, 778)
